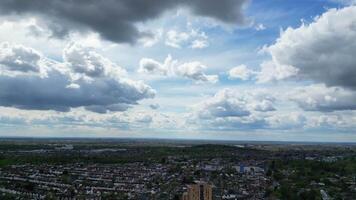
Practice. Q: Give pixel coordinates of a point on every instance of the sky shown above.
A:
(278, 70)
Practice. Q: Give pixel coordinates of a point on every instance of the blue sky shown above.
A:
(237, 69)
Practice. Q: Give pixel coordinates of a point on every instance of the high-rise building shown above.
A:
(198, 191)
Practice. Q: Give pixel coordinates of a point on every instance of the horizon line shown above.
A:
(177, 139)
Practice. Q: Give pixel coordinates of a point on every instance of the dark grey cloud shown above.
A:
(115, 20)
(53, 93)
(229, 11)
(58, 86)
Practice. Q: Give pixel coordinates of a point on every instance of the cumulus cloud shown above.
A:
(174, 38)
(241, 72)
(151, 66)
(223, 104)
(234, 109)
(195, 71)
(83, 80)
(84, 60)
(263, 103)
(274, 72)
(191, 70)
(322, 51)
(19, 58)
(194, 39)
(325, 99)
(116, 20)
(232, 103)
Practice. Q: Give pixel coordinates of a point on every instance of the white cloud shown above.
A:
(241, 72)
(151, 66)
(191, 70)
(174, 38)
(233, 109)
(322, 98)
(19, 58)
(223, 104)
(199, 44)
(194, 39)
(322, 51)
(287, 121)
(76, 118)
(263, 104)
(271, 71)
(84, 60)
(260, 27)
(148, 65)
(294, 120)
(335, 121)
(195, 71)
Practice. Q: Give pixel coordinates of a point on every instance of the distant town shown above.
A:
(182, 170)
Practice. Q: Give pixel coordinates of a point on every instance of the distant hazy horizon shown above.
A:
(167, 140)
(239, 70)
